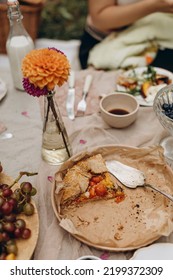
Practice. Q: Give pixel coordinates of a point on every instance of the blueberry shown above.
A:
(167, 113)
(171, 116)
(166, 106)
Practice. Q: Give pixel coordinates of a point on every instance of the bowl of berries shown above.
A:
(163, 108)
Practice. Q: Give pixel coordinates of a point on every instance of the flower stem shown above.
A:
(47, 114)
(52, 105)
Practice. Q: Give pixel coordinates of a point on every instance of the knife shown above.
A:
(71, 97)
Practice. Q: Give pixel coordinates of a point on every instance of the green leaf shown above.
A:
(65, 14)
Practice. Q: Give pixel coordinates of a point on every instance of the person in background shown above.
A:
(105, 16)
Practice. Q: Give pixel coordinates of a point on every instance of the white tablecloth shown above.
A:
(21, 115)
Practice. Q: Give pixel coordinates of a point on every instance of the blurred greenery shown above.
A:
(63, 19)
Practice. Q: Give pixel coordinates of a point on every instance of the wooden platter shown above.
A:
(25, 247)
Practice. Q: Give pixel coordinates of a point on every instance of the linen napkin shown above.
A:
(135, 46)
(103, 83)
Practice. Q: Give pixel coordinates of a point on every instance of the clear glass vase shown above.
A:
(56, 147)
(165, 98)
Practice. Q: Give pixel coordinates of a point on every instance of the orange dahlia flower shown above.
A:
(46, 68)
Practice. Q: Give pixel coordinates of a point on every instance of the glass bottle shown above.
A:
(18, 44)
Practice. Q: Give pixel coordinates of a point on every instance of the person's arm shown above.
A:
(106, 15)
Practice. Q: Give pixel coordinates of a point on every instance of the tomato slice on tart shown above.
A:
(89, 180)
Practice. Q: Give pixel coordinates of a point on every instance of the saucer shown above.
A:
(157, 251)
(89, 257)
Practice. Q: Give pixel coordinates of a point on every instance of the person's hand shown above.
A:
(105, 15)
(165, 6)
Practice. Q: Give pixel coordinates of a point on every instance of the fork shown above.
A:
(81, 108)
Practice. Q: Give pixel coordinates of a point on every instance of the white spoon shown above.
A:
(131, 177)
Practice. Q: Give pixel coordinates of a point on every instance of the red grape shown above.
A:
(1, 227)
(1, 201)
(1, 237)
(13, 202)
(18, 232)
(6, 208)
(9, 227)
(26, 233)
(7, 192)
(4, 186)
(5, 236)
(26, 187)
(3, 256)
(10, 218)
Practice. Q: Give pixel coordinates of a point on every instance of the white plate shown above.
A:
(3, 89)
(157, 251)
(139, 72)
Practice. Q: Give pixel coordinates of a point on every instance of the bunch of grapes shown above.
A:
(12, 203)
(0, 167)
